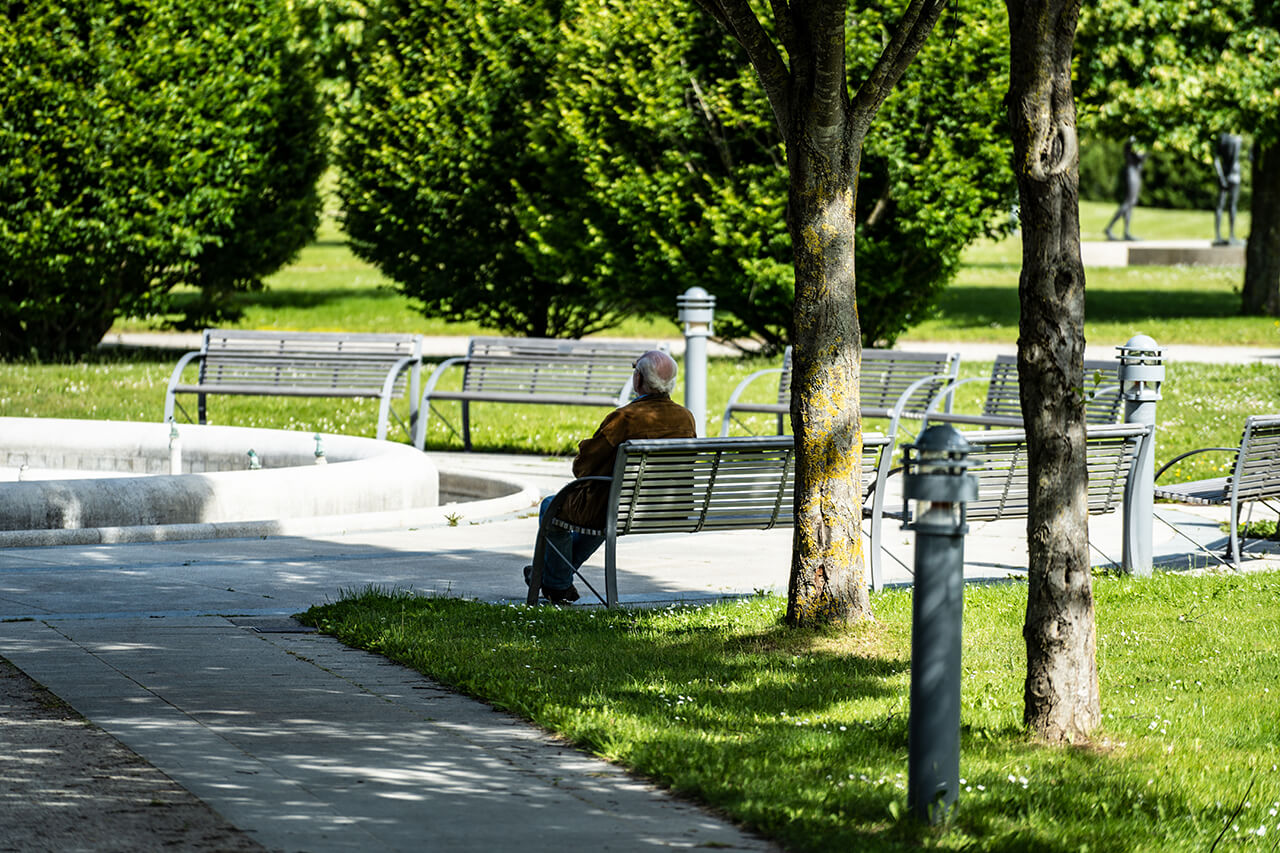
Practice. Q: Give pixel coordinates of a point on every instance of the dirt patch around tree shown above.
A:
(67, 785)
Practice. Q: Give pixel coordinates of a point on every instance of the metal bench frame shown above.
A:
(302, 364)
(549, 371)
(685, 485)
(1000, 460)
(890, 380)
(1003, 406)
(1255, 477)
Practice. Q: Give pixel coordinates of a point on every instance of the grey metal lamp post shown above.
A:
(934, 476)
(697, 308)
(1141, 376)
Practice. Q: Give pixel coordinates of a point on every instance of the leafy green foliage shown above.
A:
(445, 139)
(145, 145)
(560, 165)
(1177, 73)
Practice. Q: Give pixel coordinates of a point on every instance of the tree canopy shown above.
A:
(609, 156)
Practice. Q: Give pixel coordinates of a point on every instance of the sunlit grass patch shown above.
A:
(803, 734)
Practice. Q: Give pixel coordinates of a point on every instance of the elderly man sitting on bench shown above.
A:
(653, 414)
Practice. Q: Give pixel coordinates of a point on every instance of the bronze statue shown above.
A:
(1226, 162)
(1131, 177)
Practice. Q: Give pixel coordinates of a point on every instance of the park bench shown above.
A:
(1254, 477)
(892, 382)
(689, 485)
(1000, 462)
(302, 364)
(1003, 407)
(534, 370)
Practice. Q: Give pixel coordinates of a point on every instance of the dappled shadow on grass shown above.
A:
(799, 734)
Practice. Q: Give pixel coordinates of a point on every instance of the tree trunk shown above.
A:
(1061, 701)
(1261, 293)
(828, 576)
(824, 129)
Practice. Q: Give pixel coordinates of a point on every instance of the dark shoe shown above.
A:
(528, 574)
(568, 595)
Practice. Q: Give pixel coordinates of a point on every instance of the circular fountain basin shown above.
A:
(86, 482)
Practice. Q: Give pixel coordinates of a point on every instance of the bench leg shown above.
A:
(1233, 548)
(466, 424)
(201, 409)
(611, 572)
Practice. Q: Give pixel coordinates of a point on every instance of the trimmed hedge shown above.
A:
(146, 144)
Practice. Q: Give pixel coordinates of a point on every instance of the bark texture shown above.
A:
(1061, 701)
(1261, 293)
(824, 120)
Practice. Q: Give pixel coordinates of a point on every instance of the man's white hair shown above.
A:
(657, 372)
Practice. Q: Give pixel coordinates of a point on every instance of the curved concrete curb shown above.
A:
(367, 485)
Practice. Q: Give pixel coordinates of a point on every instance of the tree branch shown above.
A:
(737, 17)
(908, 38)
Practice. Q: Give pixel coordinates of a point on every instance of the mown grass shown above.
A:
(1174, 305)
(803, 735)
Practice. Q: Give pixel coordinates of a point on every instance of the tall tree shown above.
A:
(823, 118)
(1061, 700)
(1179, 72)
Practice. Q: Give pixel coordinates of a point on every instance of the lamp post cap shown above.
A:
(942, 438)
(1141, 342)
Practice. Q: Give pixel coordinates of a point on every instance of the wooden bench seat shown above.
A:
(1254, 477)
(702, 484)
(302, 364)
(548, 371)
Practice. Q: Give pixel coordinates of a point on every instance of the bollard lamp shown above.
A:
(696, 309)
(934, 478)
(1141, 369)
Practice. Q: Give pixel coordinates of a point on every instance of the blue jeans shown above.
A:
(561, 545)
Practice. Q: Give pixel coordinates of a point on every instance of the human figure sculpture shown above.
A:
(1226, 162)
(1131, 177)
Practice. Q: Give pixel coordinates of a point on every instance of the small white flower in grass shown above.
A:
(982, 787)
(1013, 778)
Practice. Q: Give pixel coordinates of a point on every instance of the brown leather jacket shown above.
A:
(652, 416)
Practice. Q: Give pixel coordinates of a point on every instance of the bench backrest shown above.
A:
(307, 360)
(687, 485)
(1256, 475)
(1000, 461)
(552, 366)
(1101, 385)
(886, 374)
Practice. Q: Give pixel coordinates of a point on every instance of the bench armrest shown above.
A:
(1175, 460)
(174, 379)
(424, 405)
(388, 386)
(738, 391)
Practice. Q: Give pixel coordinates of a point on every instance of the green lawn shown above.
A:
(803, 735)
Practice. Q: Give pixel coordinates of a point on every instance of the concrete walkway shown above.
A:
(185, 652)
